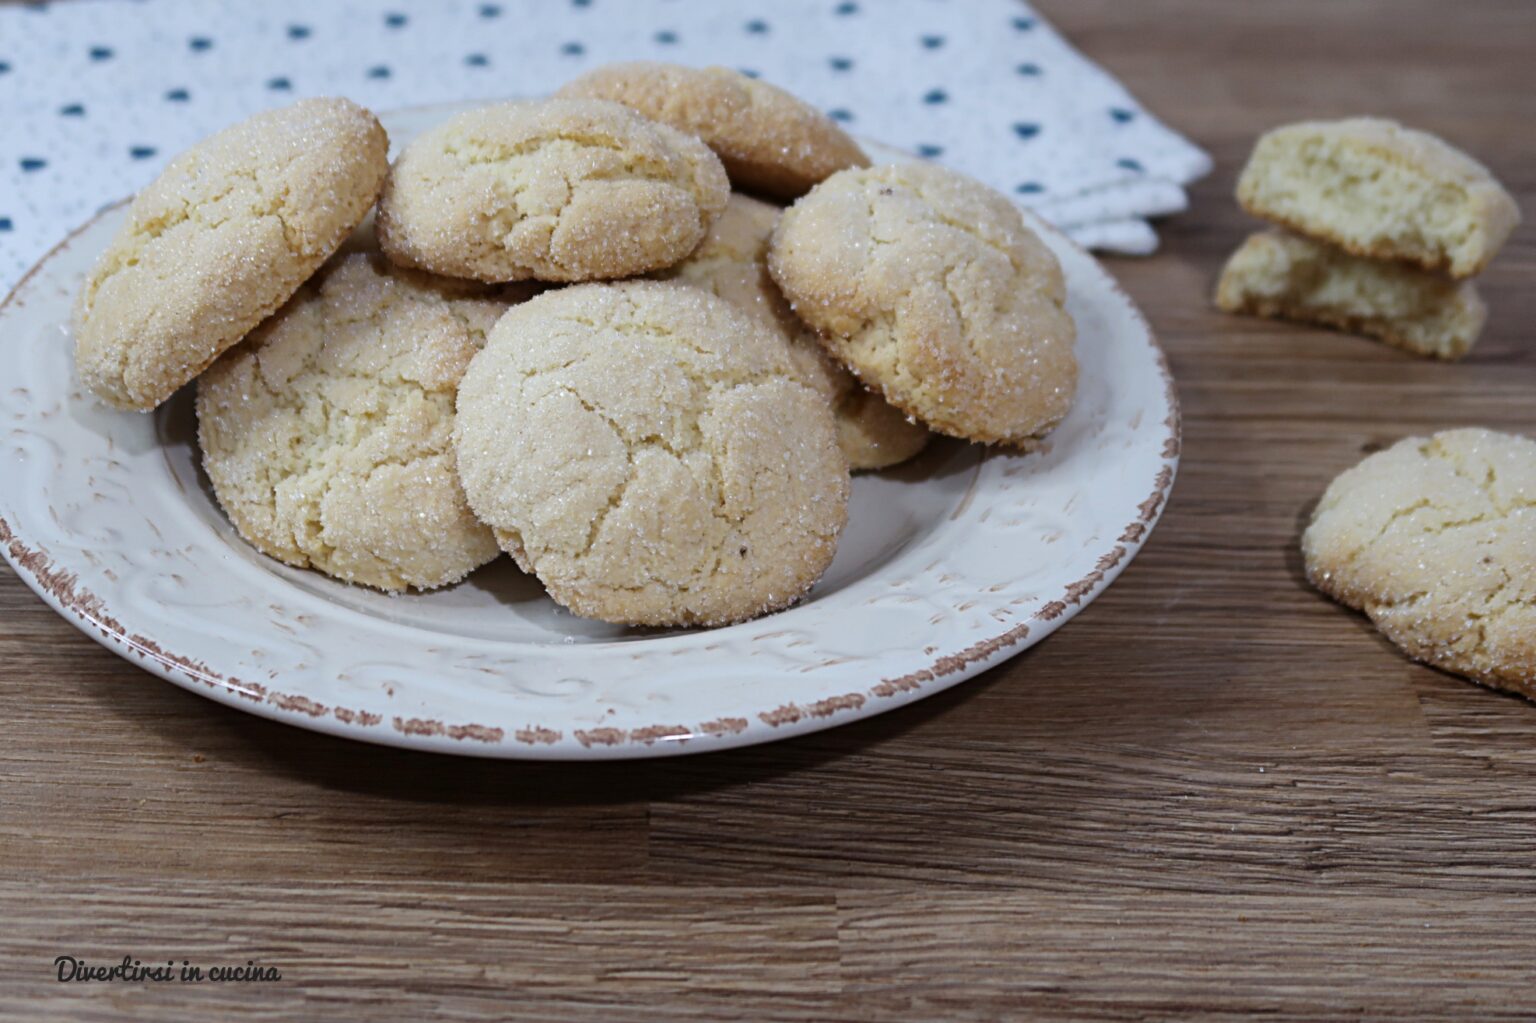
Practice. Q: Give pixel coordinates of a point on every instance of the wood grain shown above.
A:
(1214, 794)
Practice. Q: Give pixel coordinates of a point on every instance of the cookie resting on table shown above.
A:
(1435, 539)
(1279, 274)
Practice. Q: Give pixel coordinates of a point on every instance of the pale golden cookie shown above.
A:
(929, 286)
(644, 450)
(770, 141)
(732, 263)
(1375, 188)
(1279, 274)
(219, 240)
(1435, 539)
(328, 433)
(555, 190)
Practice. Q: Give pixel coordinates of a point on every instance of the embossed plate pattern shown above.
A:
(949, 565)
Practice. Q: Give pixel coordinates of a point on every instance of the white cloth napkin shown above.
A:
(96, 95)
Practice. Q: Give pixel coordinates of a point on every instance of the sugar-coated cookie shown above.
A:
(646, 451)
(225, 234)
(327, 434)
(731, 261)
(554, 190)
(1375, 188)
(770, 141)
(1279, 274)
(1435, 539)
(930, 287)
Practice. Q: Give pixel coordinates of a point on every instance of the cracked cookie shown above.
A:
(554, 190)
(327, 434)
(1375, 188)
(645, 450)
(1279, 274)
(731, 262)
(929, 286)
(219, 240)
(770, 141)
(1435, 539)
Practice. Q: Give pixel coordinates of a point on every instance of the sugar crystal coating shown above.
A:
(930, 287)
(327, 433)
(219, 240)
(732, 263)
(770, 141)
(646, 451)
(553, 190)
(1435, 539)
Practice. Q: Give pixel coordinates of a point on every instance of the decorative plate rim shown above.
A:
(60, 588)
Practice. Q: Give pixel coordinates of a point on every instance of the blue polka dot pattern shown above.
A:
(5, 223)
(96, 98)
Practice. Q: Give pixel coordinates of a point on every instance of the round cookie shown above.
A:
(731, 261)
(645, 451)
(929, 286)
(1435, 539)
(555, 190)
(327, 434)
(769, 141)
(219, 240)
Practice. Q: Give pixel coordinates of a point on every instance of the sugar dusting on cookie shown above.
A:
(1435, 539)
(645, 450)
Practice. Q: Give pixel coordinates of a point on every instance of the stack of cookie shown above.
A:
(1381, 230)
(563, 336)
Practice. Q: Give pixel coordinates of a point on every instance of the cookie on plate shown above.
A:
(930, 287)
(1435, 539)
(553, 190)
(1278, 274)
(646, 451)
(219, 240)
(731, 261)
(770, 141)
(327, 434)
(1375, 188)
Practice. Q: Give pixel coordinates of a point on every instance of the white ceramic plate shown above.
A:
(949, 565)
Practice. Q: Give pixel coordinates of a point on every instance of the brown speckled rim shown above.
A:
(61, 589)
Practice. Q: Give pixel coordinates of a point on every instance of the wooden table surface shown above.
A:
(1214, 793)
